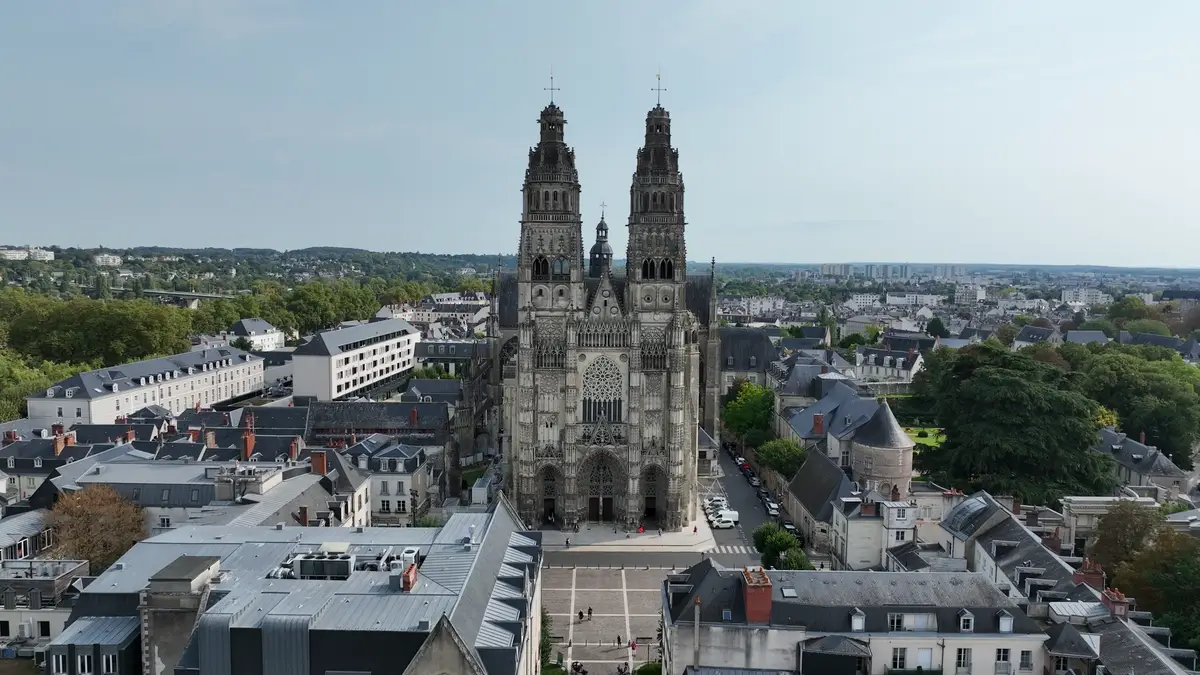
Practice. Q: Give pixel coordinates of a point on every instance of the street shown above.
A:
(735, 547)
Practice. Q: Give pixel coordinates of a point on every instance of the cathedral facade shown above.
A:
(605, 375)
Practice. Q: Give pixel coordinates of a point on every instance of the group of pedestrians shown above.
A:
(589, 615)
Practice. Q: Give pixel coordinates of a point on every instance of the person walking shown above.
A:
(618, 639)
(581, 616)
(589, 613)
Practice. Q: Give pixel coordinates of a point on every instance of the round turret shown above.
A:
(882, 455)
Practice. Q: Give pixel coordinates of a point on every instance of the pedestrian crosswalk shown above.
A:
(740, 550)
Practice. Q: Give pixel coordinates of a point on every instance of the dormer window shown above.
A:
(12, 463)
(37, 462)
(729, 362)
(1006, 622)
(753, 361)
(966, 622)
(858, 620)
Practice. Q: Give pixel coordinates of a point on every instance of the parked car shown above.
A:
(723, 524)
(764, 494)
(715, 500)
(755, 482)
(790, 528)
(771, 505)
(773, 511)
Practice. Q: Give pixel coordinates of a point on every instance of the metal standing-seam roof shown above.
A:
(99, 630)
(21, 526)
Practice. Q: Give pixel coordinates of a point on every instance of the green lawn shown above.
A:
(471, 474)
(933, 436)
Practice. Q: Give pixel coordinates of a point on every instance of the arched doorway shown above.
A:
(602, 482)
(550, 486)
(653, 486)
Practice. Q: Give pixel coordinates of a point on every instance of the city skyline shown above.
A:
(980, 134)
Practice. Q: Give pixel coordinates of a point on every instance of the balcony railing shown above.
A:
(1004, 667)
(914, 671)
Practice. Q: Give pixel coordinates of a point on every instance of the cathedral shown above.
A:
(605, 375)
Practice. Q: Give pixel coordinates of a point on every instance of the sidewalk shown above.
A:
(601, 537)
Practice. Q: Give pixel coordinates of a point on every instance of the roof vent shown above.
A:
(423, 624)
(279, 526)
(1138, 458)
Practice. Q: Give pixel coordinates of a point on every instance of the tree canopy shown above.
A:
(1165, 578)
(1013, 426)
(749, 413)
(782, 455)
(936, 328)
(95, 524)
(1126, 529)
(775, 544)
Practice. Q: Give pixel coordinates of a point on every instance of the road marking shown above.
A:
(747, 550)
(571, 620)
(628, 631)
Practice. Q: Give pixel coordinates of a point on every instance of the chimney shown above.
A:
(318, 460)
(304, 516)
(172, 429)
(353, 438)
(412, 417)
(696, 635)
(247, 444)
(1116, 602)
(226, 418)
(756, 590)
(59, 442)
(194, 434)
(69, 438)
(819, 424)
(410, 578)
(1091, 573)
(1053, 542)
(1142, 437)
(1031, 518)
(197, 406)
(11, 436)
(57, 429)
(210, 438)
(294, 449)
(130, 435)
(1016, 507)
(824, 370)
(867, 509)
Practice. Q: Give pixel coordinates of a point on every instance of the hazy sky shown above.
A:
(1007, 131)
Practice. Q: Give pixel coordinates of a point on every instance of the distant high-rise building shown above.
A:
(106, 260)
(839, 270)
(1086, 296)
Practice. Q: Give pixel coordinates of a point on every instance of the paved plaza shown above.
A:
(625, 603)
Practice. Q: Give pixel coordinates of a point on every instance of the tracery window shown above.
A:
(603, 391)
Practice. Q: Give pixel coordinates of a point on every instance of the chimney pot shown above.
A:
(412, 417)
(304, 516)
(247, 444)
(756, 590)
(1142, 437)
(294, 449)
(819, 424)
(319, 462)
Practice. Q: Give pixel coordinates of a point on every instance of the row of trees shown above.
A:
(1024, 423)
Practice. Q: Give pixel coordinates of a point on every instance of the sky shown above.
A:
(1007, 131)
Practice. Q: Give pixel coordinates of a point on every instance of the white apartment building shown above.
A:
(345, 362)
(914, 300)
(861, 301)
(1086, 296)
(969, 294)
(863, 530)
(765, 305)
(179, 382)
(26, 254)
(836, 270)
(263, 337)
(949, 271)
(106, 260)
(41, 254)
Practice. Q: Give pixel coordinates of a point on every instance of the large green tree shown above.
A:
(1151, 326)
(748, 415)
(1126, 529)
(936, 328)
(782, 455)
(1014, 426)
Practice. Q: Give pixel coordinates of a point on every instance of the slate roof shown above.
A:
(1136, 457)
(445, 391)
(910, 358)
(108, 433)
(1153, 340)
(332, 342)
(1085, 337)
(247, 327)
(151, 412)
(95, 383)
(792, 344)
(883, 431)
(1065, 640)
(825, 600)
(22, 526)
(1033, 334)
(275, 419)
(1027, 552)
(99, 630)
(801, 421)
(818, 486)
(749, 348)
(975, 333)
(372, 416)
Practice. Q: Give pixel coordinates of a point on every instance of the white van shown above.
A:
(723, 515)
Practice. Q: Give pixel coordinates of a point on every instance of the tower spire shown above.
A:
(602, 207)
(659, 88)
(551, 88)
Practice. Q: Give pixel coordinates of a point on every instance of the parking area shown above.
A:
(626, 606)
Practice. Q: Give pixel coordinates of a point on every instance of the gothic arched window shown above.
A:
(603, 391)
(560, 267)
(654, 200)
(541, 268)
(545, 199)
(672, 203)
(530, 195)
(645, 202)
(648, 269)
(666, 269)
(555, 199)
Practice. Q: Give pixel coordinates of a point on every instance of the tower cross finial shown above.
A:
(658, 88)
(551, 88)
(602, 207)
